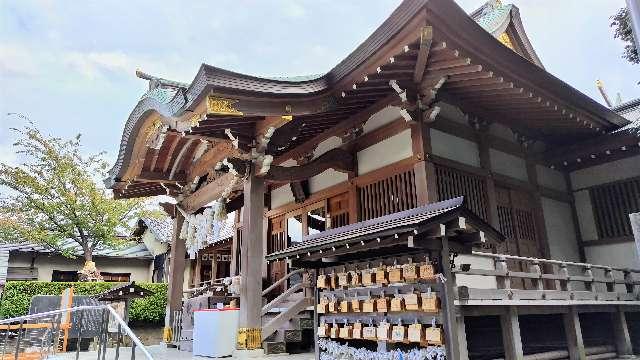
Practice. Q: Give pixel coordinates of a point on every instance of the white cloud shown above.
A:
(16, 60)
(294, 10)
(8, 155)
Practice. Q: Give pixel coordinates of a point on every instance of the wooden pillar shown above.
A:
(424, 170)
(462, 338)
(621, 332)
(176, 273)
(252, 257)
(197, 272)
(573, 332)
(541, 227)
(485, 163)
(574, 216)
(448, 305)
(511, 339)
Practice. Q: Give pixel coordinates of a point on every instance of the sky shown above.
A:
(69, 66)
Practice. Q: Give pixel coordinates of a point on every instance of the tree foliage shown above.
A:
(621, 22)
(54, 195)
(17, 295)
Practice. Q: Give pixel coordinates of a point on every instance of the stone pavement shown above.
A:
(161, 352)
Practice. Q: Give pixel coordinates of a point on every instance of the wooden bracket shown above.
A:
(337, 159)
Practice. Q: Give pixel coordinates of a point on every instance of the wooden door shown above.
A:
(516, 219)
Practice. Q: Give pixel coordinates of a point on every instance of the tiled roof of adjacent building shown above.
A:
(132, 251)
(161, 228)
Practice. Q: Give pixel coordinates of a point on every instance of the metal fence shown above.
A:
(46, 335)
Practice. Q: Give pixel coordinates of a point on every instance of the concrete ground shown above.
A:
(161, 352)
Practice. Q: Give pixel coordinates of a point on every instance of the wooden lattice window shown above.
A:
(387, 196)
(339, 210)
(612, 203)
(453, 183)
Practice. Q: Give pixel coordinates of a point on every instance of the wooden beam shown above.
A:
(206, 162)
(426, 38)
(337, 130)
(151, 176)
(337, 159)
(207, 193)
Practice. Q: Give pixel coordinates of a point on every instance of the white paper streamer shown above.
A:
(332, 350)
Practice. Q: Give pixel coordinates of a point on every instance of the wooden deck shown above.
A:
(514, 287)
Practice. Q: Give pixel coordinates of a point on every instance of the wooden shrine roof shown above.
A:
(123, 292)
(483, 77)
(393, 231)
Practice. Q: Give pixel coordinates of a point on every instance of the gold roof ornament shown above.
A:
(221, 106)
(505, 40)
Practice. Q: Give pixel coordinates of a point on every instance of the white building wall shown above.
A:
(476, 281)
(381, 118)
(509, 165)
(326, 179)
(138, 268)
(608, 172)
(455, 148)
(384, 153)
(281, 196)
(551, 178)
(561, 234)
(620, 254)
(617, 255)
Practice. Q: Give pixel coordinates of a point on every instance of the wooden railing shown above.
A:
(547, 280)
(290, 304)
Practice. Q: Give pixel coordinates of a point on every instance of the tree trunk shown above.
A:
(89, 272)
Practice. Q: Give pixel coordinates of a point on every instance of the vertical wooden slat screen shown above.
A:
(386, 196)
(453, 183)
(338, 210)
(612, 203)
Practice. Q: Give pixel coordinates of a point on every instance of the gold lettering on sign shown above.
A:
(221, 106)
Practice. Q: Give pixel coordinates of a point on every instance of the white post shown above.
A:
(635, 225)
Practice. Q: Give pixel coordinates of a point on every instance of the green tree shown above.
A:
(621, 23)
(54, 195)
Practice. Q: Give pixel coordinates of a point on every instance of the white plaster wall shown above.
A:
(507, 164)
(476, 281)
(138, 268)
(608, 172)
(452, 113)
(326, 179)
(326, 145)
(455, 148)
(551, 178)
(281, 196)
(584, 210)
(289, 163)
(501, 131)
(386, 152)
(617, 255)
(381, 118)
(560, 230)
